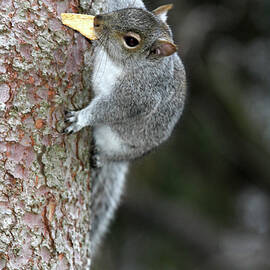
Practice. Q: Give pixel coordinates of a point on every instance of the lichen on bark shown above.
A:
(44, 175)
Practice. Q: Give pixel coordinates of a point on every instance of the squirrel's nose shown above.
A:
(98, 21)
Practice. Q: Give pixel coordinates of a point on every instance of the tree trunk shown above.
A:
(44, 175)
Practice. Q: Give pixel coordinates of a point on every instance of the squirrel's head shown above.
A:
(133, 33)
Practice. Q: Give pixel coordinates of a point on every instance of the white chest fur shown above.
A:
(105, 73)
(108, 141)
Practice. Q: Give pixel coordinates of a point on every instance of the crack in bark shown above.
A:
(48, 229)
(41, 164)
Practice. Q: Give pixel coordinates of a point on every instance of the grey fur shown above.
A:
(112, 5)
(142, 109)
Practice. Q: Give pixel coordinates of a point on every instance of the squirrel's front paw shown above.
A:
(71, 117)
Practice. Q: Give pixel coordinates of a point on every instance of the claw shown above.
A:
(68, 120)
(71, 119)
(68, 131)
(69, 114)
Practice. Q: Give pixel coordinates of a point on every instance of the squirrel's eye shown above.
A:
(131, 40)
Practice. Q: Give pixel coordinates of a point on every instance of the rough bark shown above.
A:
(44, 175)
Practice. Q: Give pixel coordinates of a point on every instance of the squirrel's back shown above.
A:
(113, 5)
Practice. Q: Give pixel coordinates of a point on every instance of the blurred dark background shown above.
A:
(202, 200)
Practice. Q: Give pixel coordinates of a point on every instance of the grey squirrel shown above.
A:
(139, 84)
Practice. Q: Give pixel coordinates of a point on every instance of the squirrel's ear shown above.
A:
(162, 11)
(162, 48)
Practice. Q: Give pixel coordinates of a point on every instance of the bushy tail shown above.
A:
(107, 187)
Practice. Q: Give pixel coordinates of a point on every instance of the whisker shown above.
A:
(103, 40)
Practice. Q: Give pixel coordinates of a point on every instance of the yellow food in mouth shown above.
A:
(81, 22)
